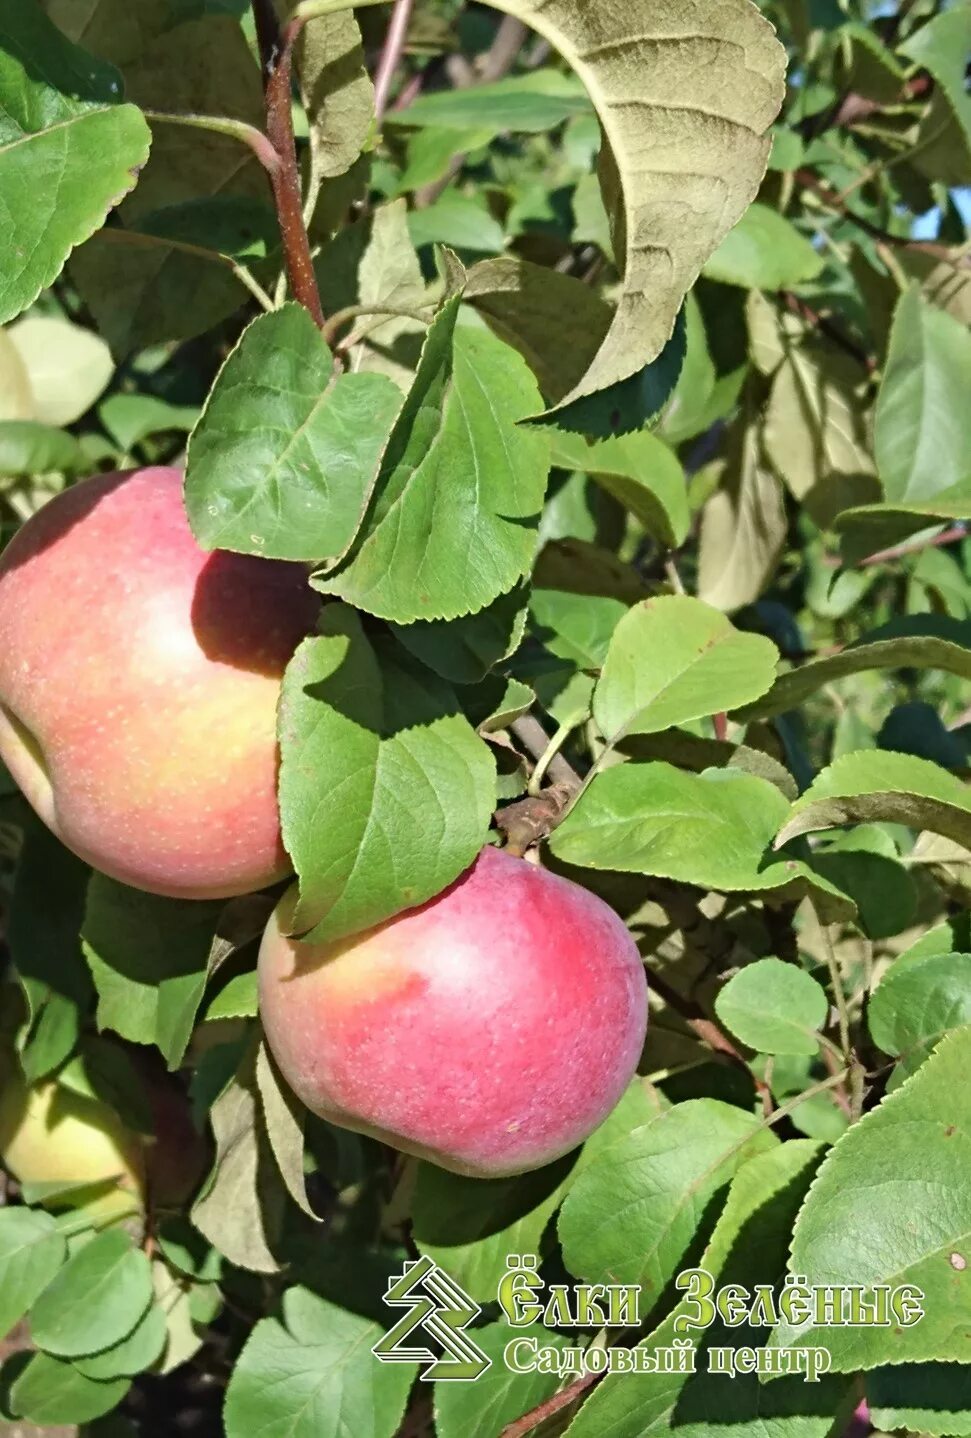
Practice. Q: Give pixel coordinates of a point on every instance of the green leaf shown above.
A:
(336, 90)
(556, 322)
(464, 650)
(743, 525)
(764, 251)
(95, 1300)
(942, 46)
(45, 915)
(532, 103)
(132, 418)
(314, 1376)
(867, 529)
(69, 151)
(716, 86)
(149, 957)
(68, 367)
(919, 999)
(237, 1000)
(713, 830)
(635, 1211)
(471, 1225)
(748, 1247)
(27, 447)
(922, 1397)
(864, 863)
(918, 641)
(774, 1008)
(402, 747)
(908, 1157)
(641, 472)
(49, 1391)
(32, 1249)
(499, 1396)
(241, 1207)
(142, 1347)
(675, 659)
(874, 786)
(284, 1119)
(452, 524)
(631, 403)
(143, 293)
(923, 446)
(284, 457)
(459, 220)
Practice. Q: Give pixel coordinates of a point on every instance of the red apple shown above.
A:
(139, 679)
(490, 1030)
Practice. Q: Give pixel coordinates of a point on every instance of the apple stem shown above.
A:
(276, 52)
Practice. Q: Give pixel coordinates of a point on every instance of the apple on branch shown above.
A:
(139, 679)
(490, 1031)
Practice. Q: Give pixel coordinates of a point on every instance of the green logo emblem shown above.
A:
(441, 1311)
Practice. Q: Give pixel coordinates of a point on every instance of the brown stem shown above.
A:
(953, 535)
(394, 45)
(278, 86)
(267, 33)
(545, 1410)
(535, 740)
(826, 327)
(720, 722)
(835, 201)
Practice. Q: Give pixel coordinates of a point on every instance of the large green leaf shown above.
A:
(892, 1205)
(923, 445)
(918, 641)
(867, 529)
(313, 1376)
(498, 1397)
(69, 151)
(95, 1300)
(942, 47)
(872, 785)
(685, 99)
(675, 659)
(368, 742)
(49, 1391)
(284, 457)
(712, 829)
(531, 103)
(32, 1249)
(452, 524)
(149, 958)
(555, 321)
(641, 472)
(748, 1247)
(918, 1000)
(636, 1209)
(775, 1008)
(764, 251)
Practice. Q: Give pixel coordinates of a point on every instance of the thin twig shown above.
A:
(826, 326)
(340, 318)
(535, 740)
(547, 760)
(839, 997)
(117, 234)
(278, 87)
(394, 45)
(247, 135)
(545, 1410)
(834, 201)
(954, 535)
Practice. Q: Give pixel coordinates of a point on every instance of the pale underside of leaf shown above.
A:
(686, 91)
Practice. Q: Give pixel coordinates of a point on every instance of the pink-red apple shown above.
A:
(490, 1030)
(139, 679)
